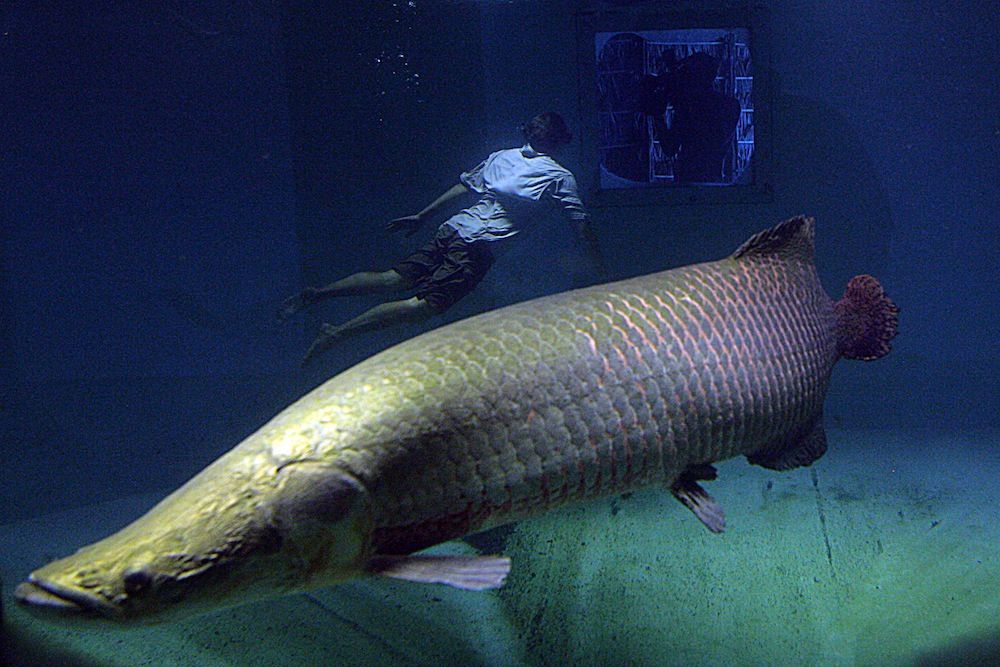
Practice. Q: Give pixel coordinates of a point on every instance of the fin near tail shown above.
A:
(793, 239)
(866, 320)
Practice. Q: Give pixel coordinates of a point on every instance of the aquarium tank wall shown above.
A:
(173, 171)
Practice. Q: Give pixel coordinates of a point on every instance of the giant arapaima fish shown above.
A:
(492, 419)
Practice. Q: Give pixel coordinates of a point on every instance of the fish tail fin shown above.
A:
(866, 320)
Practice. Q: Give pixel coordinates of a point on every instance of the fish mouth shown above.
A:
(40, 594)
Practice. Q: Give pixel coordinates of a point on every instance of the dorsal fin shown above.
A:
(791, 239)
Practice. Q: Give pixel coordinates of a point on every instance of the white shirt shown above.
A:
(511, 181)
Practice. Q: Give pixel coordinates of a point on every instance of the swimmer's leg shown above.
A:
(381, 316)
(364, 282)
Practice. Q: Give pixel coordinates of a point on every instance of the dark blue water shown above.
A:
(170, 172)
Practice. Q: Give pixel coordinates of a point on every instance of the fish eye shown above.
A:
(136, 580)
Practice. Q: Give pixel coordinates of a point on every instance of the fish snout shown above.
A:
(40, 595)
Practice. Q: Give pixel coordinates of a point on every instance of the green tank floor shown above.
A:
(882, 553)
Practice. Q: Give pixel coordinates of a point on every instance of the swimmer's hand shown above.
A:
(408, 223)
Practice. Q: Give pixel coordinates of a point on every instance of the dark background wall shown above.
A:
(147, 232)
(171, 171)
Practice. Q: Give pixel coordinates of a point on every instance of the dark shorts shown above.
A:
(447, 268)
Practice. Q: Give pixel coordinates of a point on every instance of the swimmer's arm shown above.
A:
(592, 247)
(411, 223)
(453, 193)
(564, 191)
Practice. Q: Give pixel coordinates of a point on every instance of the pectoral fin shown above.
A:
(471, 573)
(687, 490)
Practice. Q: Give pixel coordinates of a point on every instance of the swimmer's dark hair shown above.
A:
(547, 131)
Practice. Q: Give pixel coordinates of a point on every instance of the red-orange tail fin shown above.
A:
(866, 320)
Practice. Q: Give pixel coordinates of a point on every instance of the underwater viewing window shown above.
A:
(674, 105)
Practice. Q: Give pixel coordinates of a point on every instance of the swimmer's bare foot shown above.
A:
(323, 342)
(297, 302)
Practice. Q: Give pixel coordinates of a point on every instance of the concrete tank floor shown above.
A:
(885, 552)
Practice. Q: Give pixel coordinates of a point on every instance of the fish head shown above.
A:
(218, 541)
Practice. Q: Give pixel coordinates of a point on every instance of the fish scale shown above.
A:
(589, 392)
